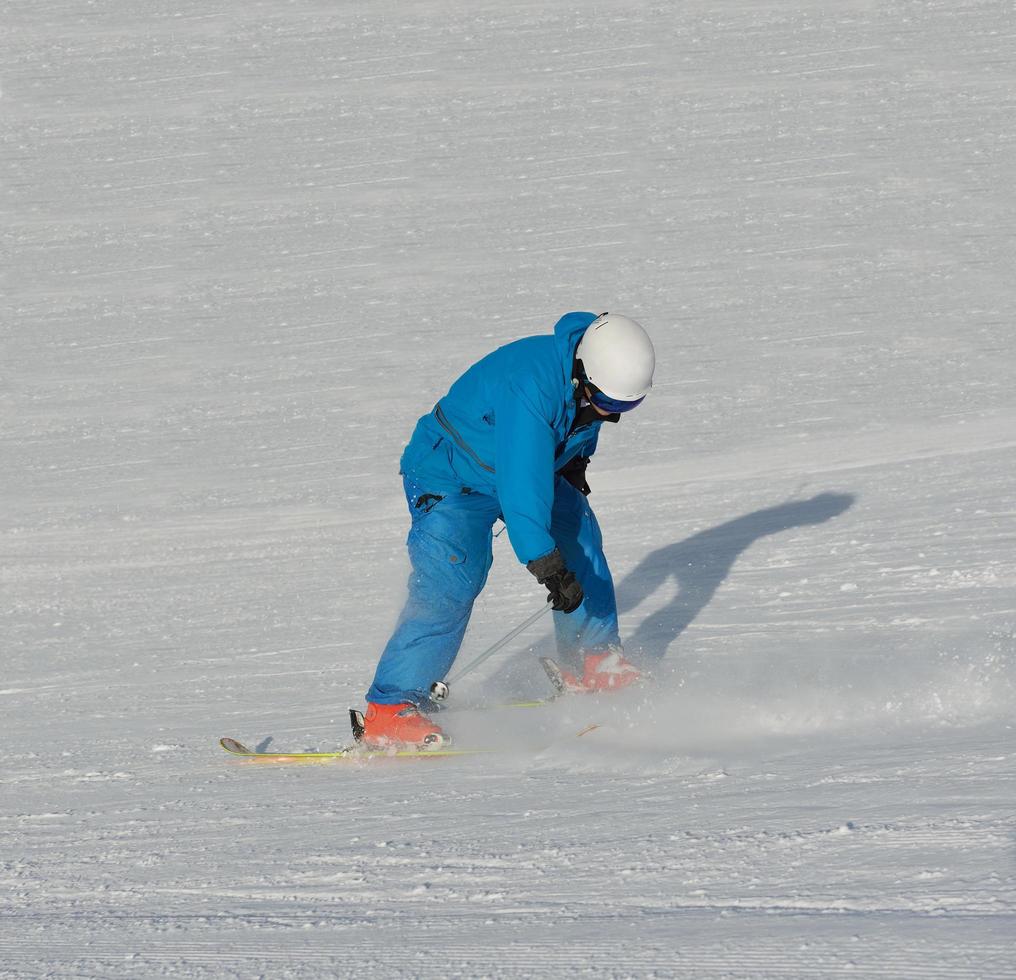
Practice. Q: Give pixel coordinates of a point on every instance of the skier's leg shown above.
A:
(450, 552)
(592, 628)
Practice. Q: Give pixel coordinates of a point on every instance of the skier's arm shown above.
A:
(525, 473)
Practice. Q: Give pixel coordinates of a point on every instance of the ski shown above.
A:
(501, 705)
(358, 752)
(347, 753)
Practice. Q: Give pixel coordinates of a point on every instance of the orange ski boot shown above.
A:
(602, 672)
(400, 724)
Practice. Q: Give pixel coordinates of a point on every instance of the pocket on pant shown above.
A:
(447, 567)
(437, 549)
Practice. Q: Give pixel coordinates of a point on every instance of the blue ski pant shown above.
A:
(450, 550)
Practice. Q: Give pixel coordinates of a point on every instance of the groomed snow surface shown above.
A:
(248, 243)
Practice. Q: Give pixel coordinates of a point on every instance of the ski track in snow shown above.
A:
(247, 245)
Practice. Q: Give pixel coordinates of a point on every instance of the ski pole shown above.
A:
(439, 689)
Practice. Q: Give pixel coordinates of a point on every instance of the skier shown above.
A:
(511, 440)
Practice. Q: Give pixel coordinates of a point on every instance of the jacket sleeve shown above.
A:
(525, 473)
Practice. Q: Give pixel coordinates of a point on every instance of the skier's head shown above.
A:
(615, 362)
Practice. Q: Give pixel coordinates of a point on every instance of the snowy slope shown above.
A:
(247, 244)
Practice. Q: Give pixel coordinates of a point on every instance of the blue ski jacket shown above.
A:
(505, 429)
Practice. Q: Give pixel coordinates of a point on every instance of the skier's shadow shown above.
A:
(700, 564)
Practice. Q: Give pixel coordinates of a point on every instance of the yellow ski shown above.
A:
(350, 753)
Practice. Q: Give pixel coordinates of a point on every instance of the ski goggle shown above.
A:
(610, 405)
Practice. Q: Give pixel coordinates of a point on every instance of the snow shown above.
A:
(247, 244)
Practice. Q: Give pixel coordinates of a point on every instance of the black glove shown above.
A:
(565, 591)
(574, 471)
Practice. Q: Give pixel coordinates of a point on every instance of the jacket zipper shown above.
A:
(442, 420)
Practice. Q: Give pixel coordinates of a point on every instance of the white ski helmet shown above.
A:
(617, 357)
